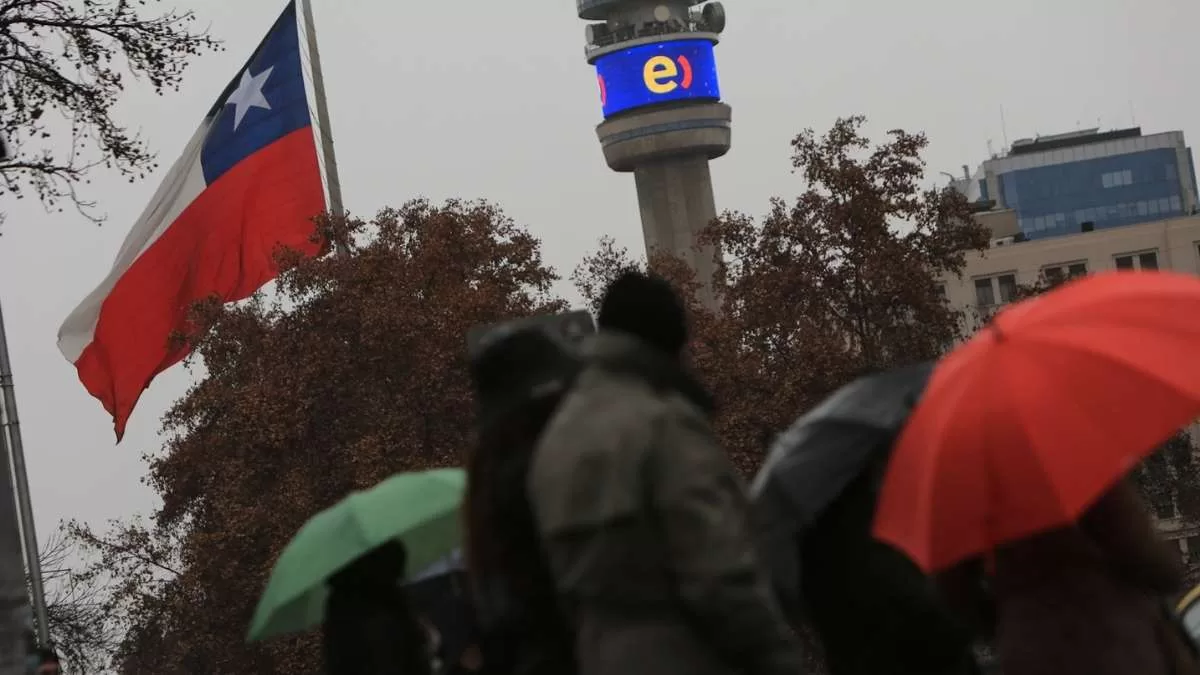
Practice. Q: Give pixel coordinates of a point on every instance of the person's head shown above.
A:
(648, 308)
(516, 375)
(382, 567)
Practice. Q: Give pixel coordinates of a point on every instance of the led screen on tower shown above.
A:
(646, 75)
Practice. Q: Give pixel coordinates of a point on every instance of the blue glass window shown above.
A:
(1107, 192)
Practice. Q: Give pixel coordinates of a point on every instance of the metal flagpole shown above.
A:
(333, 182)
(20, 479)
(14, 597)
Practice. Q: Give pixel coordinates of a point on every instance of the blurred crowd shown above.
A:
(929, 519)
(606, 532)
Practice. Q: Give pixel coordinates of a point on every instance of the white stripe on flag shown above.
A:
(183, 183)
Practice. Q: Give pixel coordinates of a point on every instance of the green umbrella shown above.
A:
(419, 509)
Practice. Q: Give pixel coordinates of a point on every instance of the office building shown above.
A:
(1087, 180)
(990, 279)
(1069, 204)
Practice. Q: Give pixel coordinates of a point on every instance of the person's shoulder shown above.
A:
(605, 420)
(602, 400)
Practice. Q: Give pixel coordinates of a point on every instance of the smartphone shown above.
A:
(571, 327)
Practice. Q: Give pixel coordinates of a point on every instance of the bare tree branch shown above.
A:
(72, 59)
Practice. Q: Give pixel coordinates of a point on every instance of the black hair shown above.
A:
(646, 307)
(381, 566)
(501, 532)
(510, 576)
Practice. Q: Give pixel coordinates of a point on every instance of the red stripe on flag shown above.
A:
(223, 243)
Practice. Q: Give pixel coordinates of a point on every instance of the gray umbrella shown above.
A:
(812, 462)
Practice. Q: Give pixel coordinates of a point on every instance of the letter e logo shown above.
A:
(659, 74)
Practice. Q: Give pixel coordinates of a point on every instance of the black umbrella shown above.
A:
(812, 462)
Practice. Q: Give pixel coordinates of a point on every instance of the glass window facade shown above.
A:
(1106, 192)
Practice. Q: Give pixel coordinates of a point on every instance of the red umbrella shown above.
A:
(1025, 425)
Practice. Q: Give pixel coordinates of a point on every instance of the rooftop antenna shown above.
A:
(991, 153)
(1003, 126)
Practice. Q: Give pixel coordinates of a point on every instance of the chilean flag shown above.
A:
(248, 182)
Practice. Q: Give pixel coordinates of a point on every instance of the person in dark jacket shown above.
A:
(875, 612)
(370, 626)
(1086, 599)
(519, 382)
(643, 516)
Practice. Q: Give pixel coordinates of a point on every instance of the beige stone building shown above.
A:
(990, 279)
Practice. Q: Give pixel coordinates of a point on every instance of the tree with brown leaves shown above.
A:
(354, 371)
(63, 66)
(845, 279)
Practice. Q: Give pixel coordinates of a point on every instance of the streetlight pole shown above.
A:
(11, 436)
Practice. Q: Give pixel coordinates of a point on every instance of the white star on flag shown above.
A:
(248, 95)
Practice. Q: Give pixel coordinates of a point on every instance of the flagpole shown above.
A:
(325, 131)
(16, 456)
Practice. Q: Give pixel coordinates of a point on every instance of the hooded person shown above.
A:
(519, 379)
(643, 517)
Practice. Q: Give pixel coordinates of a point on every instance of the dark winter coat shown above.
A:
(373, 631)
(646, 527)
(524, 637)
(1088, 599)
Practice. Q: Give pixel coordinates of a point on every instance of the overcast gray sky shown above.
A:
(494, 99)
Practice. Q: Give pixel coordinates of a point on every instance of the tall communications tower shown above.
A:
(663, 115)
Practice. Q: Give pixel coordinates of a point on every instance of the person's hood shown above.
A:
(524, 366)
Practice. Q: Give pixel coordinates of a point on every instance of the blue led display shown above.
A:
(675, 70)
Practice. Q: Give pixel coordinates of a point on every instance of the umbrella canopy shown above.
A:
(812, 462)
(418, 509)
(1025, 425)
